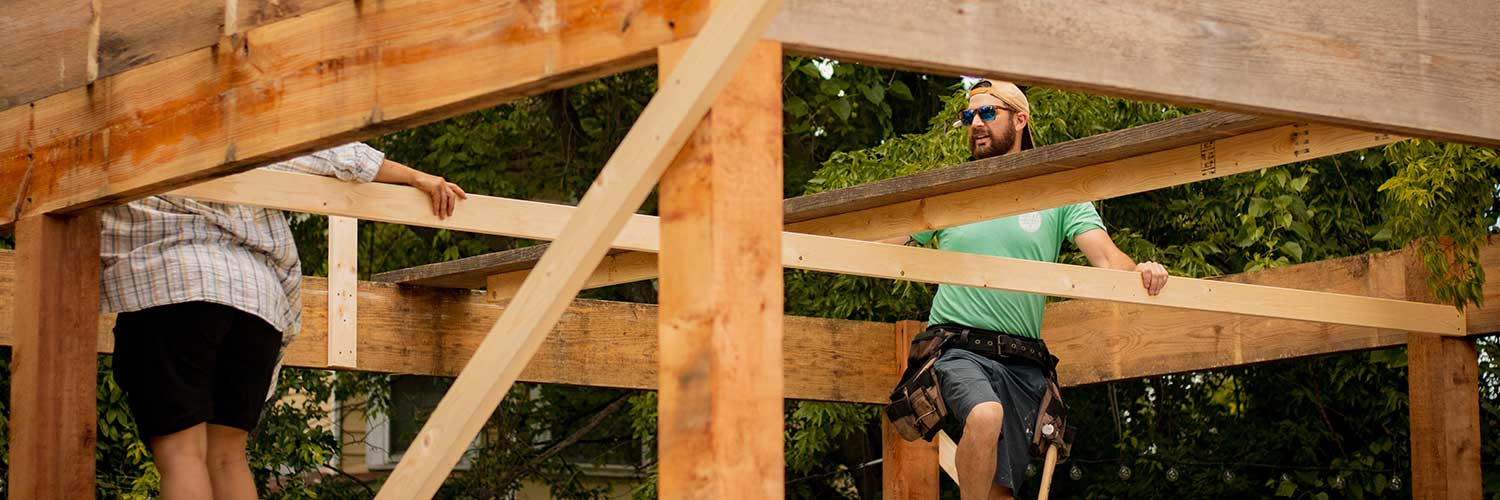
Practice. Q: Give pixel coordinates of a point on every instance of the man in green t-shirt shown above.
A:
(993, 399)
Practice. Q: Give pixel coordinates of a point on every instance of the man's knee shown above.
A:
(984, 418)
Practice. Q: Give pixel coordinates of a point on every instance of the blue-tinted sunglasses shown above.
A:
(986, 113)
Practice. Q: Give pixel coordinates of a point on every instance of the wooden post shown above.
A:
(720, 427)
(53, 364)
(910, 468)
(343, 291)
(1443, 387)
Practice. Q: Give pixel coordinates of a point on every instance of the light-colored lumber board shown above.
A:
(947, 455)
(828, 254)
(721, 294)
(343, 72)
(1443, 390)
(1429, 65)
(343, 291)
(53, 366)
(885, 210)
(432, 331)
(822, 253)
(909, 468)
(46, 48)
(627, 178)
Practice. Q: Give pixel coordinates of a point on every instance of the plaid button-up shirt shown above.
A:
(167, 250)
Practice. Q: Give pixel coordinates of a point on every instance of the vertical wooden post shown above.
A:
(910, 469)
(720, 426)
(53, 364)
(1443, 387)
(343, 291)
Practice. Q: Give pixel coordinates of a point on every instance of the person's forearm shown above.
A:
(395, 173)
(1118, 260)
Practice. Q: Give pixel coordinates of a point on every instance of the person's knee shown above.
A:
(985, 418)
(187, 446)
(226, 448)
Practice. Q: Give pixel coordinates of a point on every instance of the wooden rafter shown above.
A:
(626, 179)
(390, 203)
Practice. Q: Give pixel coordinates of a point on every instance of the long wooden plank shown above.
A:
(1428, 64)
(822, 253)
(626, 179)
(721, 294)
(53, 366)
(430, 331)
(1116, 145)
(1211, 159)
(347, 71)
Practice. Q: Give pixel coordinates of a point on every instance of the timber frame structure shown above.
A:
(105, 101)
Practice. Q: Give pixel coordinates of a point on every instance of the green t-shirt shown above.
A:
(1034, 236)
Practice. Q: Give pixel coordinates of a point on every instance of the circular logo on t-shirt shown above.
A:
(1031, 222)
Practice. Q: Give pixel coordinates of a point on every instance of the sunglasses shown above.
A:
(986, 113)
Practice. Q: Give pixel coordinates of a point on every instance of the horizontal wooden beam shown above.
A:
(1428, 65)
(430, 331)
(1101, 148)
(346, 71)
(490, 215)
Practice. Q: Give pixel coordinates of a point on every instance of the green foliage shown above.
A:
(1443, 196)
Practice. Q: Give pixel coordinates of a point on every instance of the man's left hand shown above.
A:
(1153, 276)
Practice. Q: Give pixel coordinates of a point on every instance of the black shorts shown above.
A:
(185, 364)
(967, 379)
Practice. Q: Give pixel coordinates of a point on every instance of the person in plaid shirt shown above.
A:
(208, 295)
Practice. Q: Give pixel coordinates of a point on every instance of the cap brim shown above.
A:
(1026, 138)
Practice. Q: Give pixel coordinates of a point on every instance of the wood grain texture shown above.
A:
(53, 363)
(344, 72)
(137, 32)
(1443, 388)
(720, 394)
(433, 331)
(681, 100)
(909, 468)
(343, 291)
(46, 48)
(1430, 65)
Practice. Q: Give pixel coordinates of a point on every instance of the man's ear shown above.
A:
(1021, 120)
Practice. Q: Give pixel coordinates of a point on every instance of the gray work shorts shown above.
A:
(967, 379)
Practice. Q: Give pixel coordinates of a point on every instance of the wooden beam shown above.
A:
(1110, 146)
(1053, 185)
(624, 267)
(1428, 65)
(1443, 389)
(429, 331)
(53, 366)
(720, 394)
(288, 191)
(909, 468)
(626, 179)
(347, 71)
(343, 291)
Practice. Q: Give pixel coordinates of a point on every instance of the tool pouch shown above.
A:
(1052, 424)
(917, 409)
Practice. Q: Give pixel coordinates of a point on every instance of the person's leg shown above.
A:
(181, 458)
(228, 467)
(977, 451)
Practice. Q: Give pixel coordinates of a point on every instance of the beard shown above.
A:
(998, 144)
